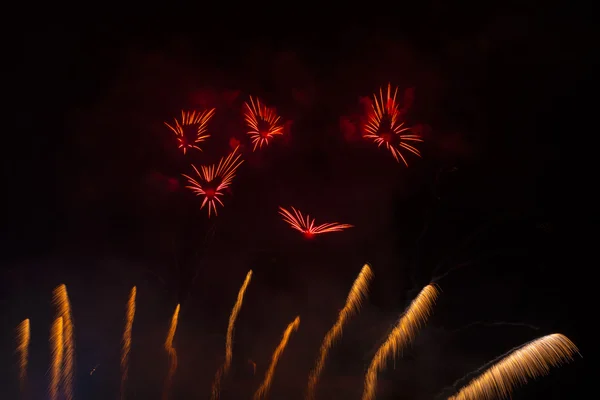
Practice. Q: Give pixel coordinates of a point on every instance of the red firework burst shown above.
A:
(307, 226)
(191, 129)
(213, 180)
(385, 126)
(263, 123)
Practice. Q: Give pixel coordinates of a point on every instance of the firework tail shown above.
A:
(126, 342)
(357, 294)
(224, 369)
(23, 339)
(403, 333)
(266, 384)
(57, 350)
(498, 378)
(171, 352)
(63, 306)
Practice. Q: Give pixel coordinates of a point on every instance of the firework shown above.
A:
(61, 302)
(171, 352)
(531, 360)
(57, 350)
(307, 226)
(126, 343)
(384, 126)
(266, 385)
(221, 372)
(213, 180)
(403, 333)
(23, 339)
(263, 123)
(357, 294)
(191, 128)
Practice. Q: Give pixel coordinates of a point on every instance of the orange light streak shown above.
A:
(357, 294)
(307, 226)
(171, 352)
(224, 369)
(126, 342)
(384, 126)
(23, 340)
(213, 180)
(529, 361)
(196, 121)
(403, 333)
(57, 350)
(61, 301)
(263, 123)
(266, 385)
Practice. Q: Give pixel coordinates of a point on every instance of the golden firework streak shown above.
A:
(531, 360)
(265, 386)
(127, 340)
(357, 294)
(403, 333)
(172, 352)
(23, 339)
(224, 369)
(61, 301)
(57, 349)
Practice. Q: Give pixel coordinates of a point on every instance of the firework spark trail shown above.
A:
(23, 339)
(403, 333)
(306, 225)
(224, 369)
(200, 120)
(384, 126)
(531, 360)
(126, 345)
(263, 123)
(172, 352)
(266, 385)
(214, 179)
(57, 350)
(61, 301)
(357, 294)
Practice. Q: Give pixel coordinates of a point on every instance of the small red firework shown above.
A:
(306, 225)
(191, 129)
(263, 123)
(385, 126)
(213, 180)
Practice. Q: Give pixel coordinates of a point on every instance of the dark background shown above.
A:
(497, 210)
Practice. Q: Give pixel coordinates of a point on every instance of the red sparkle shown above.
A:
(263, 123)
(213, 180)
(384, 126)
(191, 129)
(307, 226)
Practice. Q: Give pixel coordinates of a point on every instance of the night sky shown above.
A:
(497, 211)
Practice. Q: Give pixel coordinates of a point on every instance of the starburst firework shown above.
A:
(192, 128)
(385, 126)
(263, 123)
(307, 226)
(214, 179)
